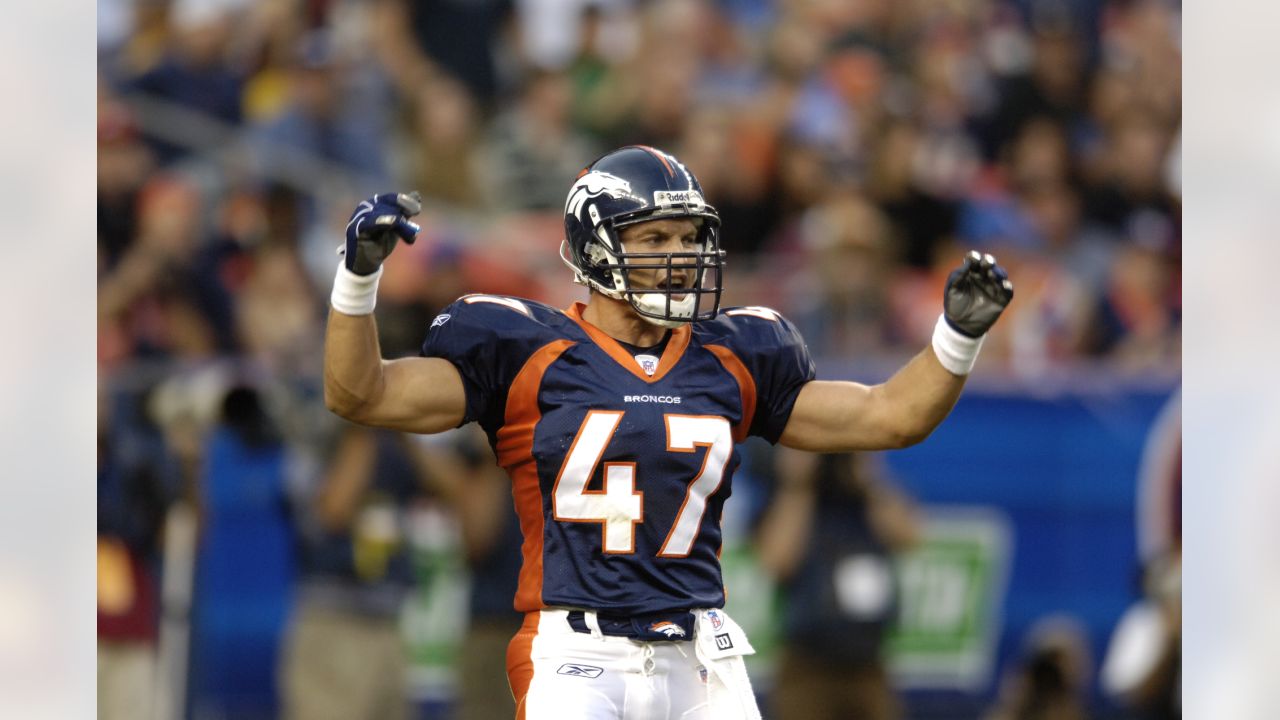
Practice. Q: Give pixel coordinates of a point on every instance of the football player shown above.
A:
(616, 420)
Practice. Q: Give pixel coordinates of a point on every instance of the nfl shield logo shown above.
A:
(648, 363)
(717, 622)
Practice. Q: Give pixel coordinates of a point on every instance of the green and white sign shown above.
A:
(434, 620)
(952, 589)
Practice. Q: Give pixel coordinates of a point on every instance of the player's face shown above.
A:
(657, 237)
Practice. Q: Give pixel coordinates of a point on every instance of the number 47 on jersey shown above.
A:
(619, 507)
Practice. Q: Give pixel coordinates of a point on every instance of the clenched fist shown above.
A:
(376, 225)
(977, 292)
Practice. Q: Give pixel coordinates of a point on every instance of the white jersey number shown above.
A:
(620, 507)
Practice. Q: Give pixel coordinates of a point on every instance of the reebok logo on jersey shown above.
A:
(586, 671)
(665, 399)
(668, 628)
(441, 319)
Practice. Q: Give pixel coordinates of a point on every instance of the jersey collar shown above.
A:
(675, 346)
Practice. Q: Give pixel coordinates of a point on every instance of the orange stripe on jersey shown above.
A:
(515, 454)
(675, 347)
(515, 439)
(670, 170)
(746, 387)
(520, 661)
(528, 499)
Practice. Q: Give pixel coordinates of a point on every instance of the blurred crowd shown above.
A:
(854, 149)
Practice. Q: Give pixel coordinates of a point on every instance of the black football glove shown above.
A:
(376, 225)
(977, 292)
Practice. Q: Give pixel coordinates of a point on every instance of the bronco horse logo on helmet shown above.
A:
(634, 185)
(594, 184)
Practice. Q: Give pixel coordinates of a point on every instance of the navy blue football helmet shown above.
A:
(632, 185)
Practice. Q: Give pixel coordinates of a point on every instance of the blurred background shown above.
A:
(257, 557)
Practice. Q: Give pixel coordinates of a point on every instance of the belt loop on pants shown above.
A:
(592, 621)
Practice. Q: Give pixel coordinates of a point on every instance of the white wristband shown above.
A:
(354, 294)
(957, 352)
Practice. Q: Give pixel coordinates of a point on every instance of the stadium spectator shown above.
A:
(275, 311)
(552, 34)
(663, 93)
(194, 82)
(1132, 178)
(846, 241)
(131, 37)
(1001, 212)
(923, 219)
(1143, 665)
(327, 123)
(1137, 318)
(829, 536)
(533, 146)
(417, 40)
(443, 140)
(602, 90)
(1051, 678)
(479, 495)
(137, 478)
(1052, 88)
(1142, 669)
(344, 657)
(351, 491)
(244, 563)
(729, 145)
(124, 165)
(151, 303)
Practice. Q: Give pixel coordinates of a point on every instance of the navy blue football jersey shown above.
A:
(620, 465)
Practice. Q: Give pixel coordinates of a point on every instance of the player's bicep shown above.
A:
(836, 416)
(419, 395)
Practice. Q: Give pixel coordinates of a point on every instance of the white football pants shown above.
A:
(557, 673)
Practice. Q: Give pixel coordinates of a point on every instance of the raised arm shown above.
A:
(421, 395)
(833, 416)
